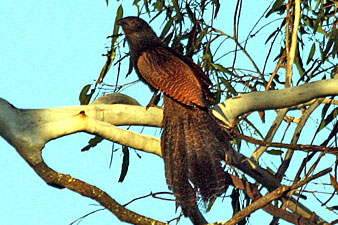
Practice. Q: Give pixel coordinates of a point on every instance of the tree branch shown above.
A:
(29, 130)
(263, 201)
(292, 51)
(60, 180)
(276, 99)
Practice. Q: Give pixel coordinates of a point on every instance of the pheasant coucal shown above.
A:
(193, 144)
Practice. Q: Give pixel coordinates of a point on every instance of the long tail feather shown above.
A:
(193, 146)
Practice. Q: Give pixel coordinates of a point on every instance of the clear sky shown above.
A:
(49, 51)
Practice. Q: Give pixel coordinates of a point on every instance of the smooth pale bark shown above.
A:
(23, 128)
(29, 130)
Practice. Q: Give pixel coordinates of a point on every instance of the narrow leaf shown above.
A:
(112, 51)
(328, 47)
(217, 6)
(256, 130)
(312, 52)
(275, 7)
(328, 119)
(130, 67)
(229, 87)
(333, 208)
(92, 143)
(274, 152)
(271, 35)
(220, 68)
(236, 206)
(332, 134)
(191, 15)
(119, 15)
(210, 204)
(198, 40)
(84, 97)
(146, 5)
(159, 5)
(166, 28)
(177, 9)
(299, 62)
(125, 163)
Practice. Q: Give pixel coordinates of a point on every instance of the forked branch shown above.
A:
(29, 130)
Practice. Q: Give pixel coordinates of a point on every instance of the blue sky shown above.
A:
(49, 51)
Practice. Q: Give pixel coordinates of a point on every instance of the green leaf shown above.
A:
(84, 97)
(274, 152)
(168, 38)
(299, 63)
(191, 15)
(317, 26)
(112, 52)
(312, 52)
(324, 111)
(220, 68)
(217, 6)
(119, 15)
(322, 123)
(235, 203)
(159, 5)
(92, 143)
(335, 48)
(228, 86)
(198, 40)
(207, 58)
(146, 5)
(125, 163)
(332, 134)
(328, 119)
(328, 47)
(210, 204)
(277, 6)
(130, 67)
(135, 3)
(166, 28)
(256, 130)
(177, 9)
(331, 208)
(271, 35)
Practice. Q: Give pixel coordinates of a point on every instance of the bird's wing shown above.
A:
(165, 71)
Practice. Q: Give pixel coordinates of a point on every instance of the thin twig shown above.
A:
(305, 148)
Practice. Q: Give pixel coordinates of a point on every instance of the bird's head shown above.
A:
(133, 24)
(137, 29)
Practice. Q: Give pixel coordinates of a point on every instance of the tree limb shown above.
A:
(276, 99)
(29, 130)
(60, 180)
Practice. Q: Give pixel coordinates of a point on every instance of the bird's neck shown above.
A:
(139, 43)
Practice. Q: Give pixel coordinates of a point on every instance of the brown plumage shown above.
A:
(193, 144)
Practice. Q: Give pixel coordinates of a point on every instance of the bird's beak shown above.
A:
(121, 22)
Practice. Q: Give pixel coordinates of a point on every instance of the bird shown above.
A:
(193, 144)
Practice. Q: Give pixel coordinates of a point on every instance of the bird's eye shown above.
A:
(135, 24)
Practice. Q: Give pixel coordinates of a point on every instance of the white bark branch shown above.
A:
(276, 99)
(29, 130)
(33, 128)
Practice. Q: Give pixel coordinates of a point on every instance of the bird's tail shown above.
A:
(193, 146)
